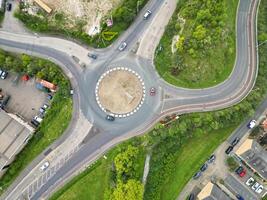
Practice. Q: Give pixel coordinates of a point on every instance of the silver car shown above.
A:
(122, 46)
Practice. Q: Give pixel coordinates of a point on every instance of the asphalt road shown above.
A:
(233, 90)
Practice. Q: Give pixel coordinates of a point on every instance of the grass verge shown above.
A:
(191, 156)
(200, 63)
(96, 179)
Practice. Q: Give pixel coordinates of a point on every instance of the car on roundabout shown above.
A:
(110, 118)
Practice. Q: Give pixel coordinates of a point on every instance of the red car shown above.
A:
(243, 173)
(152, 91)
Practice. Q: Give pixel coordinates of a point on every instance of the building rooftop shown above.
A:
(254, 155)
(13, 136)
(212, 192)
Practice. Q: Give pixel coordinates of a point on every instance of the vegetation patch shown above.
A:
(56, 119)
(205, 49)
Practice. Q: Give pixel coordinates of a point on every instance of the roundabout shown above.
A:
(120, 92)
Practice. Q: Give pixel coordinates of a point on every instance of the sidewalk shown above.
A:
(151, 37)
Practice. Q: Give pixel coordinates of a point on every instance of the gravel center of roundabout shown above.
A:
(120, 92)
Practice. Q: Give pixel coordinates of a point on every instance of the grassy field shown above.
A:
(205, 70)
(191, 156)
(54, 124)
(94, 181)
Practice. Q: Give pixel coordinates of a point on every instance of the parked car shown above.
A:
(147, 14)
(49, 96)
(243, 173)
(44, 166)
(235, 141)
(191, 197)
(255, 186)
(239, 197)
(45, 106)
(38, 119)
(250, 181)
(211, 158)
(42, 110)
(204, 167)
(259, 189)
(122, 46)
(152, 91)
(90, 55)
(229, 149)
(4, 101)
(197, 175)
(110, 118)
(251, 124)
(35, 123)
(1, 71)
(239, 170)
(4, 75)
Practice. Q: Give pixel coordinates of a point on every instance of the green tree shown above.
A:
(124, 161)
(132, 190)
(199, 33)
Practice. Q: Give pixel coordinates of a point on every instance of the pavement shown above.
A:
(20, 103)
(95, 141)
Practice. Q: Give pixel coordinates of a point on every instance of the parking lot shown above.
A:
(25, 98)
(238, 186)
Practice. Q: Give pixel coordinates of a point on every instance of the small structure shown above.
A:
(44, 6)
(253, 154)
(212, 192)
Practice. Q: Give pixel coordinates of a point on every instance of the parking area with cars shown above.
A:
(25, 99)
(239, 187)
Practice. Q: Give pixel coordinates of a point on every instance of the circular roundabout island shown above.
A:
(120, 92)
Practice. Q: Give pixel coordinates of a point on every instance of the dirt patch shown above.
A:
(90, 11)
(120, 91)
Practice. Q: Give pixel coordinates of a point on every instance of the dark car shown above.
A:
(35, 123)
(229, 149)
(90, 55)
(204, 167)
(235, 141)
(4, 101)
(197, 175)
(49, 96)
(239, 197)
(211, 158)
(110, 118)
(191, 197)
(9, 6)
(239, 170)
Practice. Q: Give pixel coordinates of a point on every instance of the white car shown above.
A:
(259, 189)
(44, 166)
(147, 14)
(255, 186)
(122, 46)
(251, 124)
(250, 181)
(38, 119)
(45, 106)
